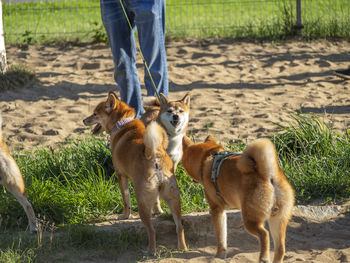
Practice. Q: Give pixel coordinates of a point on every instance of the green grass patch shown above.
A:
(80, 20)
(315, 158)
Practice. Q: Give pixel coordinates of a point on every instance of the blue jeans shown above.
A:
(149, 18)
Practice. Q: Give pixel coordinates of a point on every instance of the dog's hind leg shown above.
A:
(124, 189)
(145, 199)
(278, 227)
(218, 217)
(257, 229)
(22, 199)
(171, 195)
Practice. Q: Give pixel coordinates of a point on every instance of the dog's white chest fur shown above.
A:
(175, 148)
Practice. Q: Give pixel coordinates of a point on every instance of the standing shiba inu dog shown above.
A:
(174, 117)
(252, 182)
(11, 178)
(139, 154)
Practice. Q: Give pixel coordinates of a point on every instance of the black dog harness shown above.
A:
(219, 158)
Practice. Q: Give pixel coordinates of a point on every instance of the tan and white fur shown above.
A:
(11, 178)
(251, 182)
(174, 117)
(139, 154)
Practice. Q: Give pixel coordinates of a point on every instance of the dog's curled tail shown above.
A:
(155, 140)
(260, 156)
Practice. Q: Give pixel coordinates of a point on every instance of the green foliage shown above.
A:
(192, 194)
(69, 185)
(315, 158)
(10, 255)
(98, 33)
(80, 20)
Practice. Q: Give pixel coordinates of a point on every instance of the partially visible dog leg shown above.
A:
(257, 229)
(27, 207)
(218, 217)
(278, 227)
(171, 195)
(124, 189)
(157, 209)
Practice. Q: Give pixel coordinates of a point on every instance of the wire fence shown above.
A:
(27, 21)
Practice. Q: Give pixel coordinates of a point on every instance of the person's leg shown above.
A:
(122, 43)
(150, 23)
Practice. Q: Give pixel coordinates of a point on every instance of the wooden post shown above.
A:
(3, 61)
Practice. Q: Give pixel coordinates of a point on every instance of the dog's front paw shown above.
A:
(125, 216)
(158, 211)
(222, 253)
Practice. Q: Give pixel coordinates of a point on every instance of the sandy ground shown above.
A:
(238, 92)
(315, 234)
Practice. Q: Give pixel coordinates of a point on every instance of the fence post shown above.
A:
(299, 26)
(3, 62)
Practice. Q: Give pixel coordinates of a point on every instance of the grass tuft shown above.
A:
(315, 158)
(17, 76)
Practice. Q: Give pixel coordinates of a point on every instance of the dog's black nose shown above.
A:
(175, 117)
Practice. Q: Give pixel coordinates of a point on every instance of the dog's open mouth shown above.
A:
(96, 129)
(174, 122)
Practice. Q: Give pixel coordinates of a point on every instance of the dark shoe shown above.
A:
(345, 74)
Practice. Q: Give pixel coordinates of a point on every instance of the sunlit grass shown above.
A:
(80, 20)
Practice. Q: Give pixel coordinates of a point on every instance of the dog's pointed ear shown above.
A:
(156, 102)
(187, 99)
(150, 101)
(111, 101)
(186, 141)
(163, 99)
(210, 138)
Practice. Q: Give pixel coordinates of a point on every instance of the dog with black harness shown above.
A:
(250, 181)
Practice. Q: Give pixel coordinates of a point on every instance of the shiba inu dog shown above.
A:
(139, 154)
(11, 178)
(252, 182)
(174, 117)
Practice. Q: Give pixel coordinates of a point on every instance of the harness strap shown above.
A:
(219, 158)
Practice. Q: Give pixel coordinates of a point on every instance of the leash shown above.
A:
(143, 58)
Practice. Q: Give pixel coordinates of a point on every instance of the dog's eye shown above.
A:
(181, 111)
(95, 114)
(170, 111)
